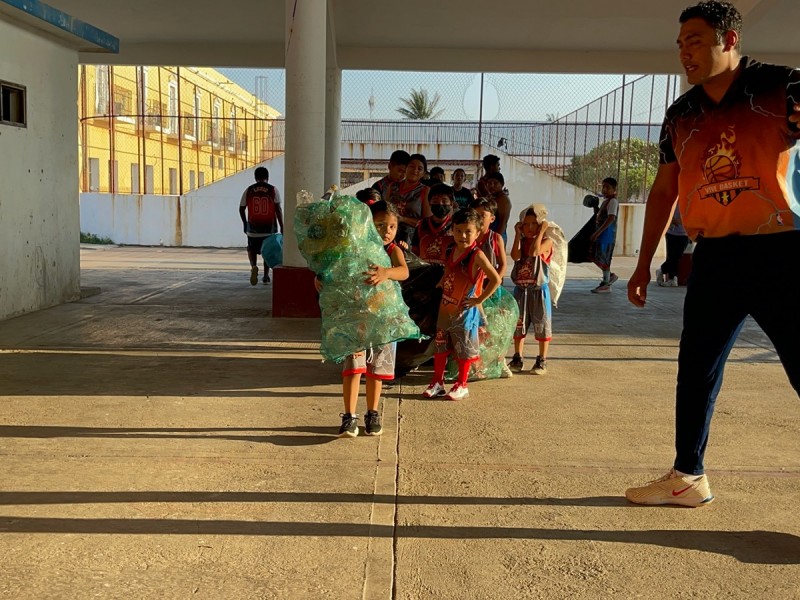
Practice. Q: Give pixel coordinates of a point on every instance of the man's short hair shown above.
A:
(262, 174)
(441, 189)
(489, 160)
(485, 203)
(498, 176)
(467, 215)
(400, 157)
(611, 181)
(722, 16)
(460, 169)
(436, 170)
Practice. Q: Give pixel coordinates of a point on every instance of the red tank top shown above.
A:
(458, 282)
(434, 241)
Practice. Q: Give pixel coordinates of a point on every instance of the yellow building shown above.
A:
(168, 130)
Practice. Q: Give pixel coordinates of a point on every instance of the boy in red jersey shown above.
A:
(433, 235)
(463, 292)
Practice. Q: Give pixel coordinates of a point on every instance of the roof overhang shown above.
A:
(58, 26)
(533, 36)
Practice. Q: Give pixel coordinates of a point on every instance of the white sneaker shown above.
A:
(672, 488)
(457, 392)
(433, 390)
(505, 372)
(670, 282)
(603, 288)
(659, 276)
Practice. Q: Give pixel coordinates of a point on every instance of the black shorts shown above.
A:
(254, 244)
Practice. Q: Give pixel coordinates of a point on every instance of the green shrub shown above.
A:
(90, 238)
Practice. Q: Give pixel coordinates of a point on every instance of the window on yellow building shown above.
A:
(172, 107)
(135, 179)
(101, 82)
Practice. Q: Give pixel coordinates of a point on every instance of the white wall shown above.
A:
(208, 216)
(564, 201)
(39, 217)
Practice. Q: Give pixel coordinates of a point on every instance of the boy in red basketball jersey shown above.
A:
(261, 214)
(462, 295)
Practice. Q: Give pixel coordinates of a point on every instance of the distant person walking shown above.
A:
(677, 240)
(261, 214)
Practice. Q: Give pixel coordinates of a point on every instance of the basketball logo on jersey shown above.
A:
(434, 249)
(721, 171)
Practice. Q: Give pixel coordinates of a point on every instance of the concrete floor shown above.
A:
(166, 438)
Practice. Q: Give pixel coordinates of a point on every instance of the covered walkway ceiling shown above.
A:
(557, 36)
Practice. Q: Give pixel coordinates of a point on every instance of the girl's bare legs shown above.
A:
(543, 346)
(350, 385)
(374, 388)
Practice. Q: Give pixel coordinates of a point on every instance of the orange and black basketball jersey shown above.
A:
(460, 280)
(739, 159)
(261, 200)
(431, 242)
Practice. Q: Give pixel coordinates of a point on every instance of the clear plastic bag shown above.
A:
(496, 335)
(339, 241)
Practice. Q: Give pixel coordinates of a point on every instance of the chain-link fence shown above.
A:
(169, 130)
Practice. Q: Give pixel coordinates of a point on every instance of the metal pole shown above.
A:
(621, 126)
(480, 116)
(180, 136)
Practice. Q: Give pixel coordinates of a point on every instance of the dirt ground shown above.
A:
(166, 438)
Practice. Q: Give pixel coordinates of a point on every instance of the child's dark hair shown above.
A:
(722, 16)
(400, 157)
(498, 176)
(611, 181)
(467, 215)
(381, 206)
(441, 189)
(460, 169)
(421, 158)
(368, 195)
(488, 204)
(261, 174)
(490, 160)
(435, 170)
(530, 212)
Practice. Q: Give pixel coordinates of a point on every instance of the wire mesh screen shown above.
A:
(168, 130)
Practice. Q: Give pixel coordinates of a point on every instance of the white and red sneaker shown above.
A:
(457, 392)
(433, 390)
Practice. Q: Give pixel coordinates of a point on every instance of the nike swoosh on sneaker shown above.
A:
(679, 492)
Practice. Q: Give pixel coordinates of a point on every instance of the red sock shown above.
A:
(463, 371)
(439, 365)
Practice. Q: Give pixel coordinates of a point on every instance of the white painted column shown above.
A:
(306, 24)
(333, 127)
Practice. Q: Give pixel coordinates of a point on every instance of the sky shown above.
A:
(506, 97)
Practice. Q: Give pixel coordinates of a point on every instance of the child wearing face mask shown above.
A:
(433, 235)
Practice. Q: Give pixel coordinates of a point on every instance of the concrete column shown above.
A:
(306, 24)
(333, 127)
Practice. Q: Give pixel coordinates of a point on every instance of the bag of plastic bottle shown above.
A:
(339, 241)
(501, 315)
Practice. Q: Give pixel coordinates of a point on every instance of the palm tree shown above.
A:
(419, 106)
